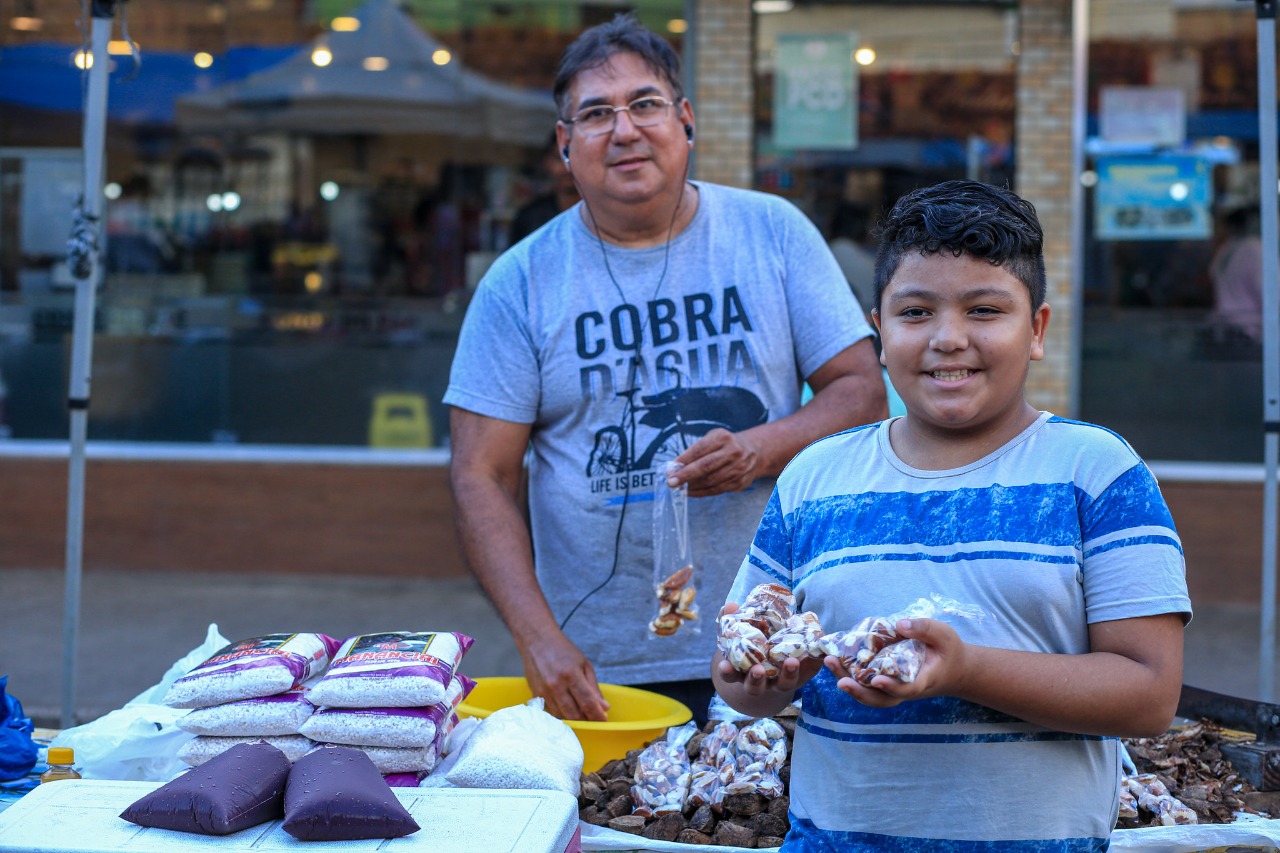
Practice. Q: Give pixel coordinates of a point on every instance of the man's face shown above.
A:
(628, 164)
(958, 337)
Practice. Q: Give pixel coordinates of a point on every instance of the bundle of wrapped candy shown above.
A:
(766, 630)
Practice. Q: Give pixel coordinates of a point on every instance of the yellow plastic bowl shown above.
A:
(635, 716)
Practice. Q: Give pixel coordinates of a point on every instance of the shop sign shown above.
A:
(1143, 115)
(1146, 198)
(815, 92)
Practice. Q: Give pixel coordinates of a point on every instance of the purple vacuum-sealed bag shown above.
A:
(335, 793)
(235, 790)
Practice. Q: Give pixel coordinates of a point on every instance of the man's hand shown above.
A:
(719, 462)
(558, 672)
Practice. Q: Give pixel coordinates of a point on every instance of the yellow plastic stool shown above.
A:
(400, 420)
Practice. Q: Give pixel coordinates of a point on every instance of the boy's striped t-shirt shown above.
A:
(1061, 527)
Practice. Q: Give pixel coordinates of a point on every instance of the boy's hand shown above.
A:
(792, 673)
(941, 672)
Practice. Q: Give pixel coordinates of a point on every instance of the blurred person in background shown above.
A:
(558, 194)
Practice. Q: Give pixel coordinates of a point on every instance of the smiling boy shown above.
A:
(1008, 738)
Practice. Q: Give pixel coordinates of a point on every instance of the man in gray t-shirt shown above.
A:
(657, 320)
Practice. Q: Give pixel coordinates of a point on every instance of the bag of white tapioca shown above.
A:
(259, 666)
(398, 669)
(398, 727)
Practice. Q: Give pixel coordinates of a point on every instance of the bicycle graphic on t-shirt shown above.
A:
(680, 415)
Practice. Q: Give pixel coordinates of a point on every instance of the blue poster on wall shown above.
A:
(1153, 198)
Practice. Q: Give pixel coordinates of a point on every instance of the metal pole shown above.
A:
(94, 133)
(1271, 334)
(1079, 120)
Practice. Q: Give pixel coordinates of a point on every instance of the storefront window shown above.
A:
(1171, 346)
(300, 197)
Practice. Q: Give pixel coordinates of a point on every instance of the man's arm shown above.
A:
(1127, 685)
(848, 390)
(487, 460)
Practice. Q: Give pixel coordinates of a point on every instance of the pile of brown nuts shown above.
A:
(741, 820)
(1191, 765)
(1188, 760)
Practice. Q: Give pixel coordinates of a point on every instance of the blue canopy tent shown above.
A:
(44, 76)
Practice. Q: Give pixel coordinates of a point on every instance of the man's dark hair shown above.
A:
(965, 218)
(596, 46)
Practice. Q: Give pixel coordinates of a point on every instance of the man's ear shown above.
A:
(562, 142)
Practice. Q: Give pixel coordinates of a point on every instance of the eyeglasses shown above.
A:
(602, 118)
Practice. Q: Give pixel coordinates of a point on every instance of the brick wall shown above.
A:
(723, 99)
(1043, 153)
(375, 520)
(397, 521)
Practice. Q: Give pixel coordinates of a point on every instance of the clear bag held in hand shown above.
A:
(874, 646)
(674, 576)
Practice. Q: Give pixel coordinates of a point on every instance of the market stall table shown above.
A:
(82, 816)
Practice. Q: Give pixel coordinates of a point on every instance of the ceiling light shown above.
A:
(120, 47)
(82, 59)
(26, 25)
(375, 63)
(864, 56)
(771, 7)
(677, 26)
(321, 56)
(344, 24)
(441, 57)
(202, 59)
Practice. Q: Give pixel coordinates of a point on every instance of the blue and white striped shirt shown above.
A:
(1061, 527)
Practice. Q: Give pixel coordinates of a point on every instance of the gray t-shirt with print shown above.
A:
(619, 359)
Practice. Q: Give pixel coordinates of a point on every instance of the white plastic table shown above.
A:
(83, 816)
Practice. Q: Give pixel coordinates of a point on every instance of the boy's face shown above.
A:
(957, 337)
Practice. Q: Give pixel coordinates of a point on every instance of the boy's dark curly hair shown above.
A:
(965, 218)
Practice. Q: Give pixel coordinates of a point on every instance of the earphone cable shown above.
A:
(626, 488)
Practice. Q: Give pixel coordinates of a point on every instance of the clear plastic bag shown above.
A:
(674, 574)
(716, 750)
(766, 630)
(662, 774)
(874, 647)
(759, 751)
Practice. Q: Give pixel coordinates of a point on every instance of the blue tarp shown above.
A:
(44, 76)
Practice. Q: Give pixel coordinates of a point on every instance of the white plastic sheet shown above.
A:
(139, 742)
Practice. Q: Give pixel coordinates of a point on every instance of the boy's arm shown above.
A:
(1127, 685)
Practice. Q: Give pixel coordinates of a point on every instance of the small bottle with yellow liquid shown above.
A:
(60, 761)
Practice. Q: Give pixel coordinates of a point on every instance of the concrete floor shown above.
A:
(134, 625)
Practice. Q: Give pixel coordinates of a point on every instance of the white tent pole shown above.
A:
(86, 279)
(1271, 334)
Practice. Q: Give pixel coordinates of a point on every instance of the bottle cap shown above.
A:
(61, 755)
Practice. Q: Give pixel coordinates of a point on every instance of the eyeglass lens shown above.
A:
(644, 112)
